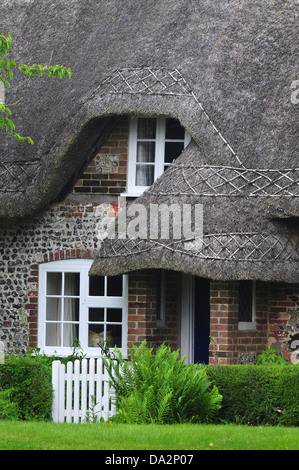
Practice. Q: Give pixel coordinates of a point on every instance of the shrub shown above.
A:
(160, 388)
(28, 386)
(269, 356)
(8, 409)
(258, 394)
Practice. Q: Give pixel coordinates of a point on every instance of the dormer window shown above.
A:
(154, 143)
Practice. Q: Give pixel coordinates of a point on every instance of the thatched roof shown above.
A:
(241, 237)
(224, 69)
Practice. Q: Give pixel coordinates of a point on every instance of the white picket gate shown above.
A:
(81, 390)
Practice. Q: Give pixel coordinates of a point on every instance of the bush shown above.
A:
(26, 388)
(257, 394)
(160, 388)
(8, 409)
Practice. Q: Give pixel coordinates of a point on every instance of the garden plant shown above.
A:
(158, 387)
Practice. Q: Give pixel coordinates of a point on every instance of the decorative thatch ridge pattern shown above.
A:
(12, 175)
(229, 181)
(148, 81)
(156, 82)
(224, 246)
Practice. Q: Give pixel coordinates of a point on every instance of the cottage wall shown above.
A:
(75, 228)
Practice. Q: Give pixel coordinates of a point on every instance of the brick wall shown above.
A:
(107, 173)
(233, 345)
(142, 309)
(69, 230)
(283, 328)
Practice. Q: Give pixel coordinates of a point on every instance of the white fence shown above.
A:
(81, 392)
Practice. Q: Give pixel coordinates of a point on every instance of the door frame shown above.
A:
(188, 317)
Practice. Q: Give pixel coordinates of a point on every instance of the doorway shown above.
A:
(195, 325)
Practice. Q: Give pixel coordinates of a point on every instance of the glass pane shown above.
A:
(114, 335)
(173, 150)
(146, 151)
(114, 314)
(96, 285)
(53, 334)
(245, 301)
(71, 310)
(144, 175)
(54, 283)
(115, 286)
(53, 309)
(71, 283)
(146, 128)
(70, 332)
(174, 130)
(95, 335)
(96, 314)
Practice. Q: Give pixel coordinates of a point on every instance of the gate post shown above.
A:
(55, 385)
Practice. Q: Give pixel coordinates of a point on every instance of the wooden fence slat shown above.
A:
(61, 398)
(76, 390)
(79, 388)
(69, 391)
(55, 385)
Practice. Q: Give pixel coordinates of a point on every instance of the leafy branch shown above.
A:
(6, 75)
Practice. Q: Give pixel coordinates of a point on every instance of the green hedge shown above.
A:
(25, 389)
(258, 394)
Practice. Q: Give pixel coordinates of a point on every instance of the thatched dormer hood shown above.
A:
(224, 69)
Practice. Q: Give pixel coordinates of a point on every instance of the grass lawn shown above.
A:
(63, 436)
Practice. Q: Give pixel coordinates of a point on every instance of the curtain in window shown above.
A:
(71, 288)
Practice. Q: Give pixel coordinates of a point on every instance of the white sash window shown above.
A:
(154, 143)
(73, 305)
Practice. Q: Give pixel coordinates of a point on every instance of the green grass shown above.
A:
(62, 436)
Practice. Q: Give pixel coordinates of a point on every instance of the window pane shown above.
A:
(145, 151)
(71, 284)
(173, 150)
(70, 332)
(96, 314)
(115, 286)
(245, 301)
(96, 285)
(114, 314)
(95, 335)
(144, 175)
(53, 334)
(174, 130)
(114, 334)
(53, 309)
(71, 310)
(54, 283)
(146, 128)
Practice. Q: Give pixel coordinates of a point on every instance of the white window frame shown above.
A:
(81, 266)
(132, 189)
(250, 325)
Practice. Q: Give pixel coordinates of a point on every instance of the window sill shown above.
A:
(251, 326)
(131, 194)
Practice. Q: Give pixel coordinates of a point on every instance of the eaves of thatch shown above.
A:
(224, 69)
